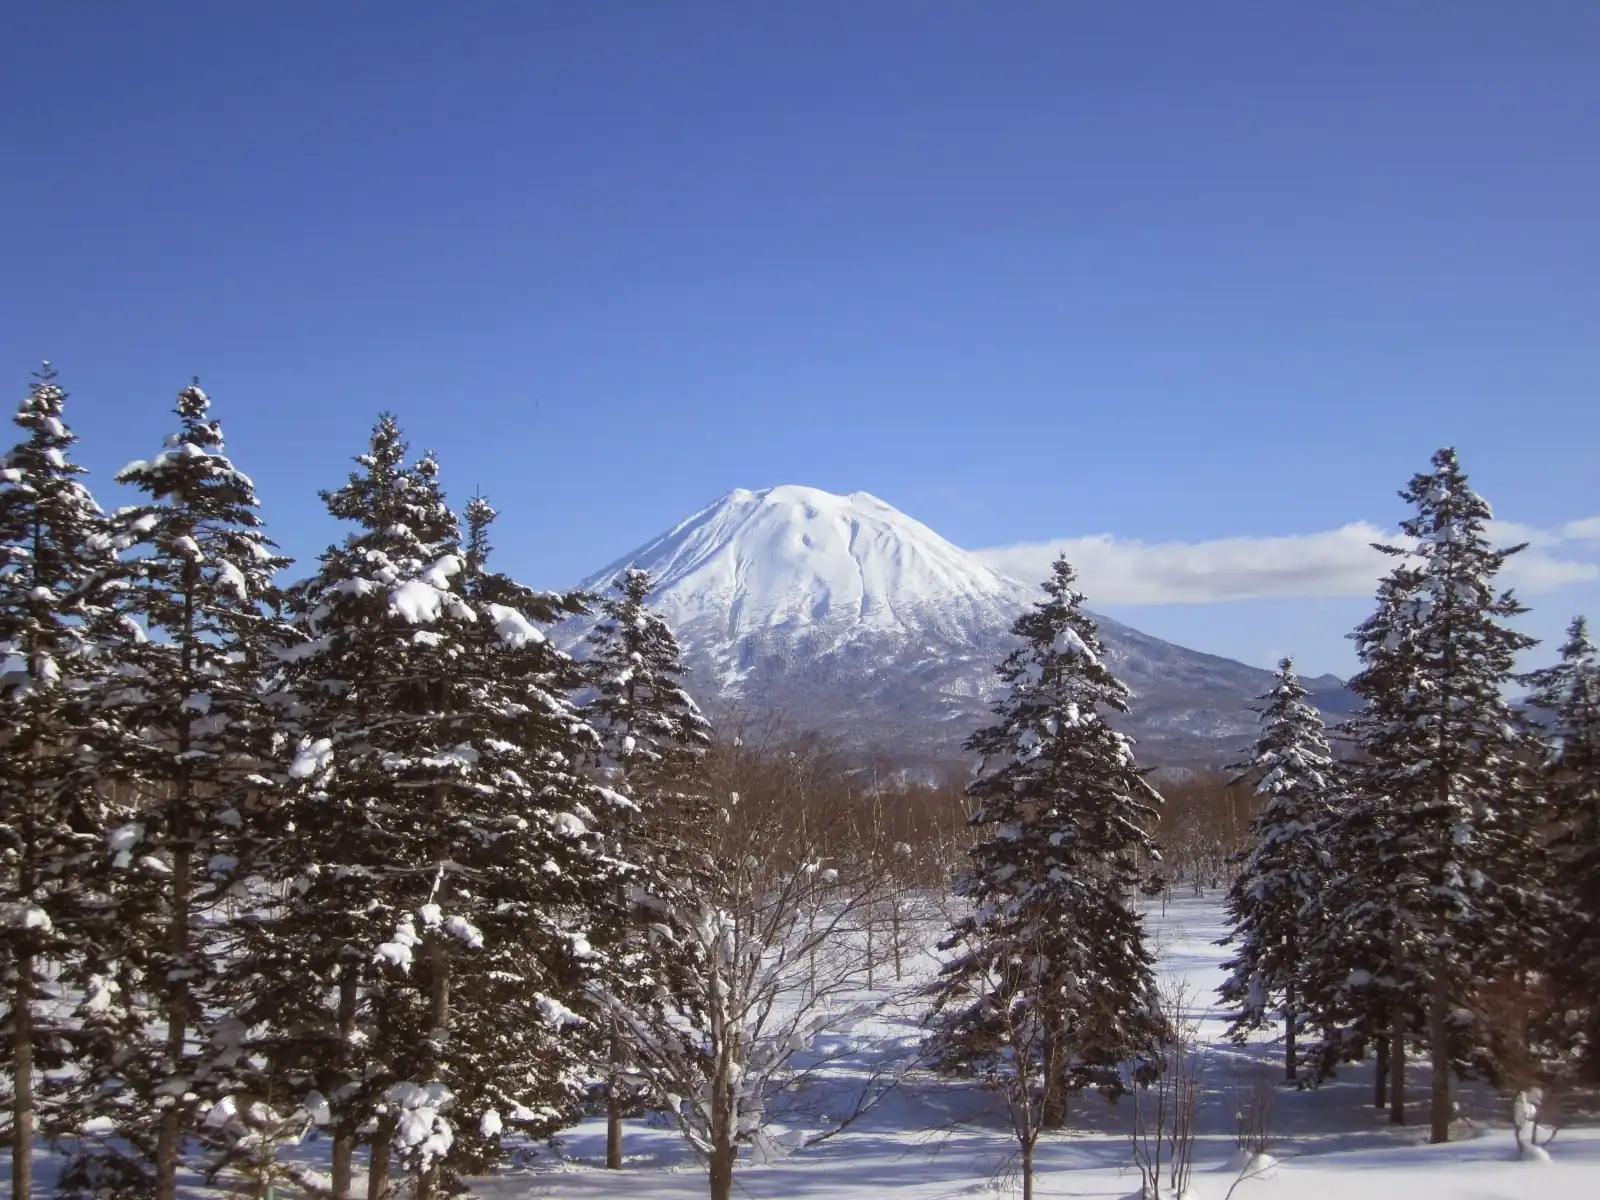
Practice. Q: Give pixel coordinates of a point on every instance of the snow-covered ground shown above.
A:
(932, 1140)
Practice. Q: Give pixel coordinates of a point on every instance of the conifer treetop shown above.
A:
(1292, 748)
(1570, 693)
(193, 463)
(54, 548)
(641, 708)
(1056, 685)
(200, 531)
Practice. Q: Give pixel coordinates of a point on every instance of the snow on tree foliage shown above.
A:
(197, 585)
(1441, 844)
(1063, 819)
(1282, 876)
(438, 860)
(1568, 696)
(56, 560)
(1356, 990)
(653, 742)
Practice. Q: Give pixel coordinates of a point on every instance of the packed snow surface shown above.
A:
(937, 1140)
(934, 1140)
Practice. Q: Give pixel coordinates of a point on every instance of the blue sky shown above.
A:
(1170, 273)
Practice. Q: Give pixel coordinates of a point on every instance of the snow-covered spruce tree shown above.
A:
(542, 880)
(653, 741)
(1354, 993)
(440, 863)
(1280, 879)
(1358, 982)
(1063, 819)
(1568, 695)
(197, 733)
(1453, 849)
(55, 557)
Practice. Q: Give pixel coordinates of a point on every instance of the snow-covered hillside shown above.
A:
(810, 564)
(853, 618)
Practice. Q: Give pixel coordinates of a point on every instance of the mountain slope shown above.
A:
(854, 619)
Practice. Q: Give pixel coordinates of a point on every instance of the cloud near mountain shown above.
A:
(1335, 562)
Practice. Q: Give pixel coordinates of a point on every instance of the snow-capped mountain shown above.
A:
(853, 619)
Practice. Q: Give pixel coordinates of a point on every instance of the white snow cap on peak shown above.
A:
(793, 556)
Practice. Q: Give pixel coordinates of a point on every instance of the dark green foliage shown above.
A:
(57, 568)
(1053, 951)
(1440, 842)
(1271, 901)
(199, 604)
(1568, 695)
(439, 861)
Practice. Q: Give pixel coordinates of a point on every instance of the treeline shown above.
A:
(1433, 890)
(360, 853)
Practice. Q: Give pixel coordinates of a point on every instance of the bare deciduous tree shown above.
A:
(1165, 1112)
(779, 939)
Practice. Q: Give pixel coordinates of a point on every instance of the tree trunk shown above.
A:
(1397, 1067)
(439, 986)
(872, 917)
(724, 1140)
(894, 915)
(722, 1172)
(1439, 1052)
(1380, 1087)
(343, 1153)
(1397, 1030)
(171, 1135)
(1053, 1104)
(169, 1140)
(378, 1175)
(344, 1139)
(22, 1080)
(439, 1005)
(614, 1101)
(1027, 1172)
(1289, 1022)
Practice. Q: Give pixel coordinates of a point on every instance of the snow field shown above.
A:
(932, 1139)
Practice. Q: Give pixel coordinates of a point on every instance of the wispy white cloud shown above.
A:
(1335, 562)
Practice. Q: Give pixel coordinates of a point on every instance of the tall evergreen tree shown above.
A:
(199, 585)
(1360, 971)
(55, 559)
(1452, 820)
(441, 850)
(1569, 694)
(653, 741)
(1281, 878)
(1063, 819)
